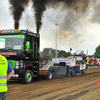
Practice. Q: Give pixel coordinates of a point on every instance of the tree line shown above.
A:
(96, 54)
(51, 53)
(61, 53)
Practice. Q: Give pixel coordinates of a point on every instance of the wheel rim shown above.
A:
(73, 73)
(29, 76)
(50, 75)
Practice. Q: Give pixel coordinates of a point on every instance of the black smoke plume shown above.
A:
(76, 5)
(17, 7)
(40, 6)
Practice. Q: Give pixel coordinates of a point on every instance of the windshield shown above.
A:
(79, 52)
(78, 58)
(11, 42)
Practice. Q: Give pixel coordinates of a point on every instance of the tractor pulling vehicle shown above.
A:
(21, 48)
(67, 67)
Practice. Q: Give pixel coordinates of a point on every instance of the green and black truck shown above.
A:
(21, 48)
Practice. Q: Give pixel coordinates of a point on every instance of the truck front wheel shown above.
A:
(27, 78)
(49, 75)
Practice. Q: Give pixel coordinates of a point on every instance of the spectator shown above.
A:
(91, 64)
(6, 72)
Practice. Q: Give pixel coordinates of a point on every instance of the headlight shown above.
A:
(2, 31)
(21, 66)
(17, 62)
(5, 31)
(17, 67)
(13, 30)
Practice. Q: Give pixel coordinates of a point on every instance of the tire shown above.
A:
(27, 78)
(83, 71)
(72, 73)
(49, 75)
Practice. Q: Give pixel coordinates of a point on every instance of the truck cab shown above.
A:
(81, 59)
(21, 48)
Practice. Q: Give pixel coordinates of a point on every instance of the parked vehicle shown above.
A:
(94, 60)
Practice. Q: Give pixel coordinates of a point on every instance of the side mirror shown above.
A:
(27, 45)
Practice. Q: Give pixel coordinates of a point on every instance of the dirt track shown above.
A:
(65, 88)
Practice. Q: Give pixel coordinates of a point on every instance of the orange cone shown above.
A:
(88, 67)
(98, 83)
(96, 66)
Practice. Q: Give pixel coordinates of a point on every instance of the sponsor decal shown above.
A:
(8, 36)
(43, 72)
(29, 64)
(46, 57)
(57, 61)
(8, 53)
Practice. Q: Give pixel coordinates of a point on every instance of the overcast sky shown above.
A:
(79, 34)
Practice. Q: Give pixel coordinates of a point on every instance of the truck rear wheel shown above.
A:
(72, 73)
(27, 78)
(83, 71)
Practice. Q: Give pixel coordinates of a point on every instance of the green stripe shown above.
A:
(9, 50)
(22, 36)
(11, 36)
(36, 50)
(33, 49)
